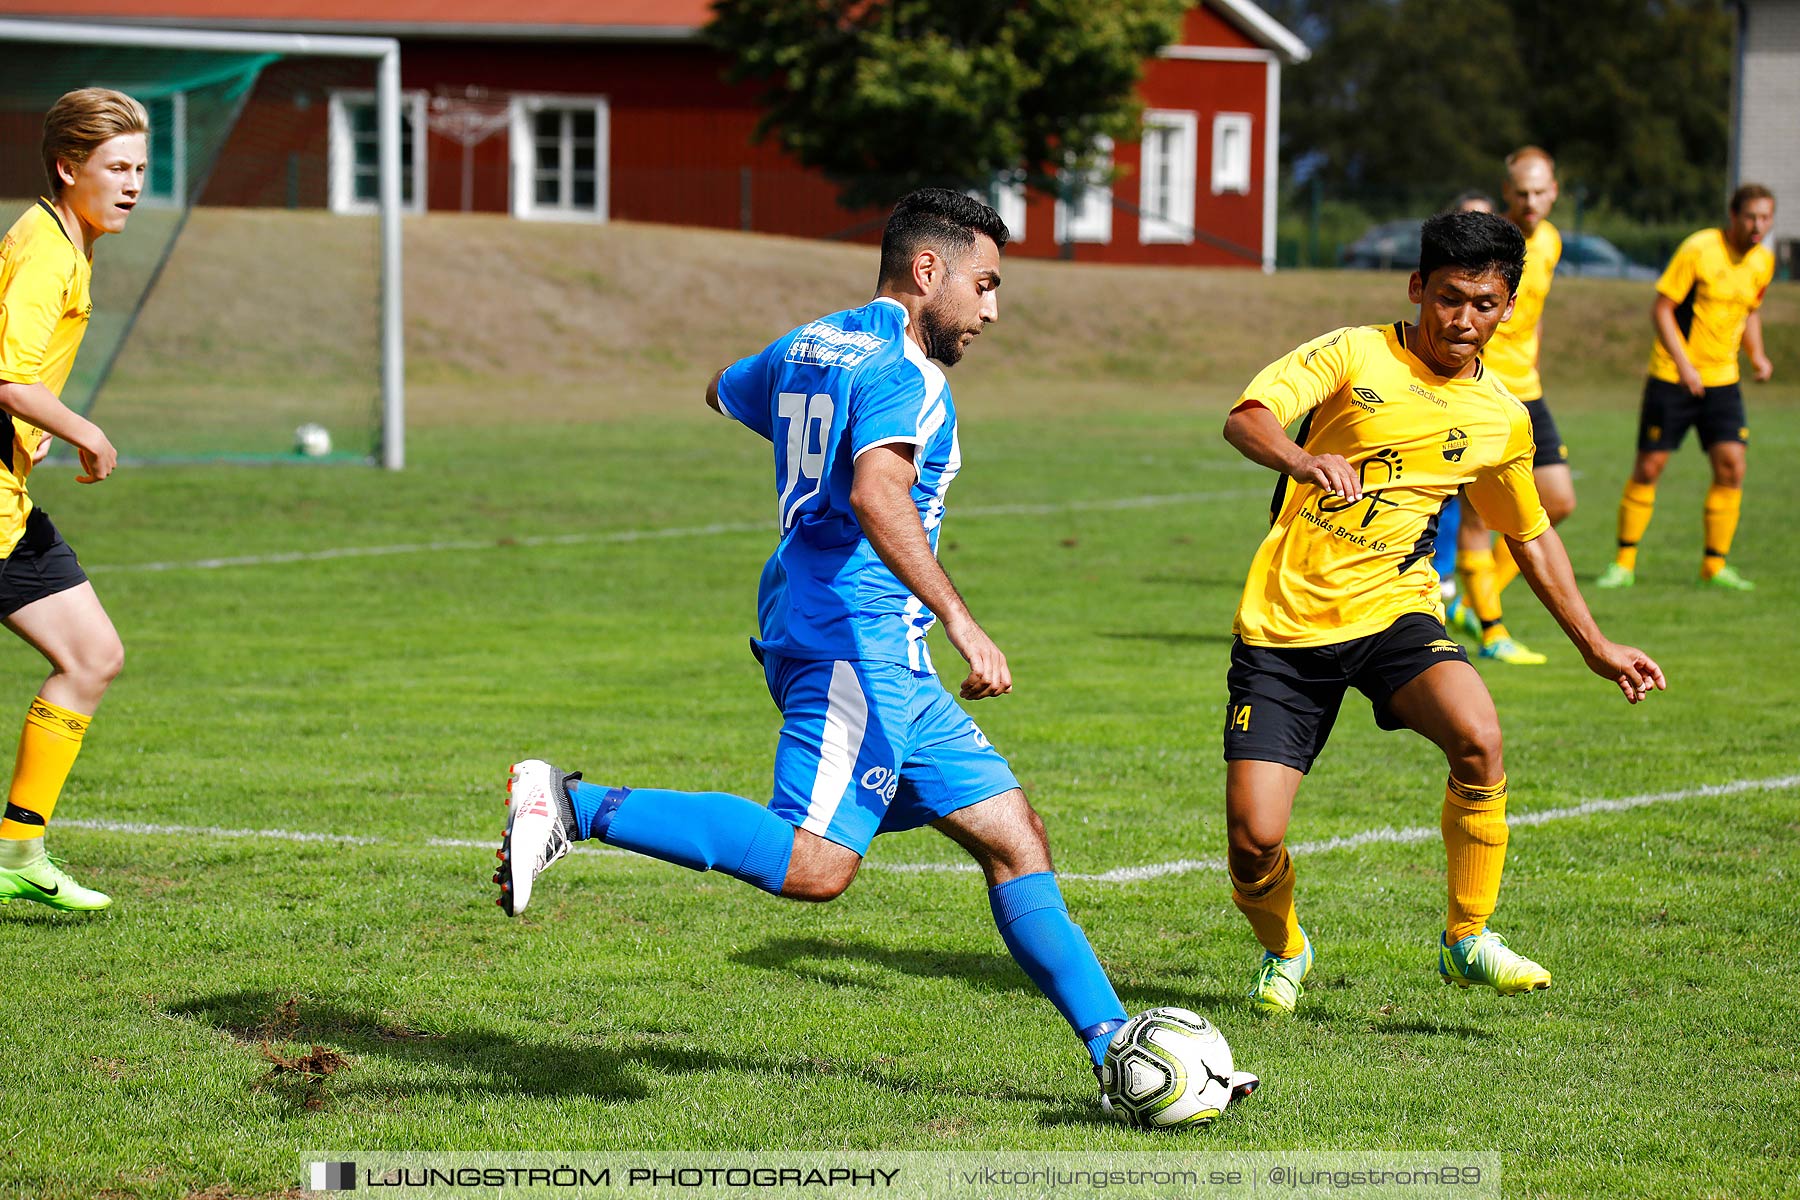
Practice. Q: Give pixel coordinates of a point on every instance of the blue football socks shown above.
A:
(703, 831)
(1034, 922)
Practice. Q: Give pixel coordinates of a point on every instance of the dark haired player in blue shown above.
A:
(864, 434)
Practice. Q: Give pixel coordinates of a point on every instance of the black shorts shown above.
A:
(1284, 700)
(42, 564)
(1551, 452)
(1669, 411)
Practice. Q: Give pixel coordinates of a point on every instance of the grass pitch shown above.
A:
(568, 569)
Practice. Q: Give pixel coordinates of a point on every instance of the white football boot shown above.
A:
(539, 820)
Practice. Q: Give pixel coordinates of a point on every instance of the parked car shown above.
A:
(1390, 246)
(1588, 254)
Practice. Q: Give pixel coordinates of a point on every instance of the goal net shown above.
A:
(252, 299)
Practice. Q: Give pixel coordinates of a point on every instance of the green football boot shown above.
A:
(1483, 958)
(1728, 580)
(45, 882)
(1512, 652)
(1276, 988)
(1462, 617)
(1616, 576)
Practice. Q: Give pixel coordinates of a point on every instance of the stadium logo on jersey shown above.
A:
(1455, 442)
(822, 345)
(1427, 393)
(1366, 398)
(883, 781)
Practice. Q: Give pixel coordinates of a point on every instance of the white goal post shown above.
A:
(387, 51)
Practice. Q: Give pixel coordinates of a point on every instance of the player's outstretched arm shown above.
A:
(1545, 565)
(39, 406)
(881, 498)
(712, 390)
(1254, 432)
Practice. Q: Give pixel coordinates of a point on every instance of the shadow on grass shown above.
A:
(297, 1035)
(809, 958)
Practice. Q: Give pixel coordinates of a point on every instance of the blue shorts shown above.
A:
(873, 747)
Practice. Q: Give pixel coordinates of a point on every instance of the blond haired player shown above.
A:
(95, 157)
(1705, 308)
(1342, 594)
(1484, 567)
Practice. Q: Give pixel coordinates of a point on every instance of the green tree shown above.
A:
(1406, 100)
(886, 95)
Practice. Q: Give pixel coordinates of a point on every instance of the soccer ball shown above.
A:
(1165, 1069)
(312, 440)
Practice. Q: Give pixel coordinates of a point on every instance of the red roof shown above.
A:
(623, 19)
(370, 14)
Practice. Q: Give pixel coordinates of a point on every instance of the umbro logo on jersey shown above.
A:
(1366, 398)
(1443, 646)
(1455, 442)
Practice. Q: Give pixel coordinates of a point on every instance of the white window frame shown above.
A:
(1231, 171)
(342, 172)
(1176, 224)
(523, 150)
(1005, 194)
(177, 153)
(1090, 217)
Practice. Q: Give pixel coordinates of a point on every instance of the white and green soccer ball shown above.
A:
(312, 440)
(1167, 1068)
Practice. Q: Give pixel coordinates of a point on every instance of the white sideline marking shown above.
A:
(1184, 866)
(621, 536)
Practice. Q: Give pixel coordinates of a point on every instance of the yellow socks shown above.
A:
(1722, 506)
(1635, 508)
(1269, 903)
(47, 748)
(1475, 571)
(1474, 825)
(1505, 568)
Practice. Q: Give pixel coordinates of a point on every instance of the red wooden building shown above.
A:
(587, 110)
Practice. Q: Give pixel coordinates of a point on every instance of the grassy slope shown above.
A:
(383, 697)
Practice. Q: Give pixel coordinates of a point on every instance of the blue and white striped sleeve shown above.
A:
(900, 403)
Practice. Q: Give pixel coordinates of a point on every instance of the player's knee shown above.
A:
(1475, 751)
(95, 665)
(1559, 508)
(1251, 850)
(819, 870)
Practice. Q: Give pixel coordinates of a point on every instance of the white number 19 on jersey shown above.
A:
(808, 421)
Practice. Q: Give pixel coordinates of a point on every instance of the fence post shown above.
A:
(744, 221)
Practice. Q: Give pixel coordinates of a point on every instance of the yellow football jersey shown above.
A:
(44, 309)
(1513, 354)
(1715, 291)
(1332, 570)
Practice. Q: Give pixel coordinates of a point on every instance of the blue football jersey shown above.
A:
(824, 394)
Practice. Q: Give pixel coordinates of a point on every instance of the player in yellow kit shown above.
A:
(1705, 307)
(1483, 566)
(1341, 593)
(95, 158)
